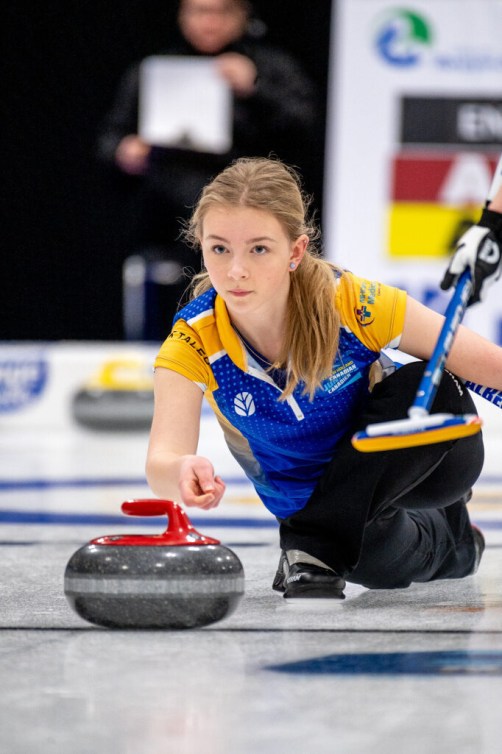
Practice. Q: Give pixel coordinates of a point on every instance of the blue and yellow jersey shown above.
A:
(283, 446)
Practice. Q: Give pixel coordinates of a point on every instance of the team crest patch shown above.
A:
(364, 315)
(244, 404)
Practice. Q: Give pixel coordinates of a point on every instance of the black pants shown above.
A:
(387, 519)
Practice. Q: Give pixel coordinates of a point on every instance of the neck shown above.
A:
(266, 340)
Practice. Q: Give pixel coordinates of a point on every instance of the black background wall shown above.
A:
(61, 250)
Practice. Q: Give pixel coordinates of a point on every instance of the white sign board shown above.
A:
(415, 130)
(184, 102)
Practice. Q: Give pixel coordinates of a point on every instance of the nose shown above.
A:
(237, 270)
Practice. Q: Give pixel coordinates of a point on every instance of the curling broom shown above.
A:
(421, 427)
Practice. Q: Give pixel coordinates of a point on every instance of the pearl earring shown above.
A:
(292, 266)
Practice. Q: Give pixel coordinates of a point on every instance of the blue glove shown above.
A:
(478, 249)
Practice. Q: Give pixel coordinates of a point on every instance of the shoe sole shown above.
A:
(312, 605)
(313, 591)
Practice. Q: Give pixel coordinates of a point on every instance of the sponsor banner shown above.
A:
(451, 179)
(24, 375)
(414, 134)
(451, 120)
(434, 198)
(39, 382)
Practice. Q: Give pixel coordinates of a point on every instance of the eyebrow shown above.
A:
(250, 240)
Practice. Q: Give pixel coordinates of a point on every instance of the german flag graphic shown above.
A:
(435, 197)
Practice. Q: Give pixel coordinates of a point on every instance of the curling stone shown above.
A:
(118, 398)
(178, 579)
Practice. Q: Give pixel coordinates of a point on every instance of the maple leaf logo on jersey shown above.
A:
(244, 404)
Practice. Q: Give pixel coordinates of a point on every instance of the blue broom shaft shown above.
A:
(453, 316)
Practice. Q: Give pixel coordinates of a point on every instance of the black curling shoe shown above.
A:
(301, 575)
(479, 547)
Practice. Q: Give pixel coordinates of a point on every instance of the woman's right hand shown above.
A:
(199, 487)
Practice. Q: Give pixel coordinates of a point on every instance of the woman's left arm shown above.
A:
(471, 357)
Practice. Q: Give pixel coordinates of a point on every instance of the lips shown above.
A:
(239, 293)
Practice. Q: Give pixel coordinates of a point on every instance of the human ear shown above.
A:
(298, 249)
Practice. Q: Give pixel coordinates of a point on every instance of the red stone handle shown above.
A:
(180, 530)
(154, 507)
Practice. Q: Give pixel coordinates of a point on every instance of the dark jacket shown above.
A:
(280, 118)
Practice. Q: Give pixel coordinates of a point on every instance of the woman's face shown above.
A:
(248, 256)
(211, 25)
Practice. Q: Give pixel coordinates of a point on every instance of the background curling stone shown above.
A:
(118, 397)
(178, 579)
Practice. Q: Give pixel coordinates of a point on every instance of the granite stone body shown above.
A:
(113, 409)
(180, 579)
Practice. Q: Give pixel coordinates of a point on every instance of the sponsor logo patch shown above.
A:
(244, 404)
(341, 377)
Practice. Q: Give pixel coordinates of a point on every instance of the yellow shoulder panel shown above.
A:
(373, 311)
(183, 352)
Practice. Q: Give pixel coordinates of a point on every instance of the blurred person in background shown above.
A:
(275, 110)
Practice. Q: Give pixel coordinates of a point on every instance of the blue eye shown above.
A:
(260, 250)
(219, 249)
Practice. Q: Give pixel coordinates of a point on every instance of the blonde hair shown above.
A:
(312, 321)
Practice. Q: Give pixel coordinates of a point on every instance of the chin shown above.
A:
(208, 48)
